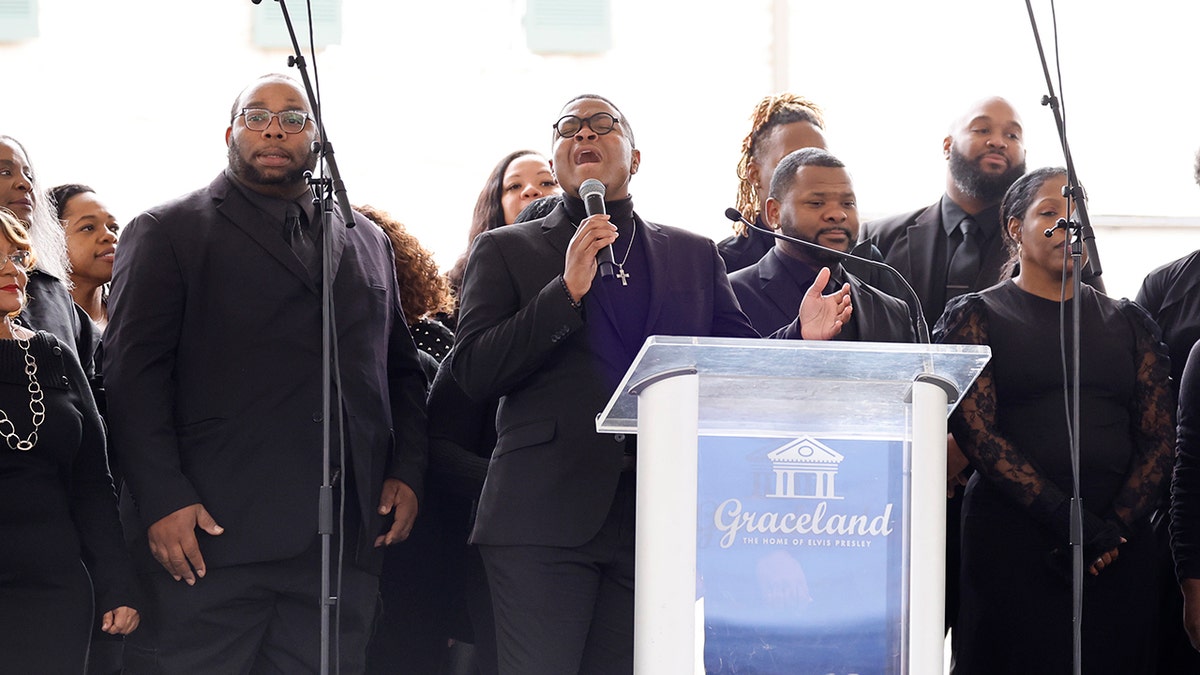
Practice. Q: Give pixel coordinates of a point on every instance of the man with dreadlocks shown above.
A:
(781, 124)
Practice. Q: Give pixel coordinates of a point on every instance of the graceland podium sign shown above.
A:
(814, 475)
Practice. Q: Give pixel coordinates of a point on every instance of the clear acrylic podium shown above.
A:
(791, 502)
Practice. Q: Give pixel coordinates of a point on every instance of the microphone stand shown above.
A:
(1079, 231)
(324, 190)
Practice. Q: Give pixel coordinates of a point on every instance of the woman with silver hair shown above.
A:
(50, 307)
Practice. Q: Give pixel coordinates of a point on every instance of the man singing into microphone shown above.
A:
(542, 330)
(812, 199)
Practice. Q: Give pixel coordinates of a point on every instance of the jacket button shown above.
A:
(57, 350)
(317, 417)
(619, 438)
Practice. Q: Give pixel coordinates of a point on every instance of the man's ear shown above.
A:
(753, 172)
(635, 161)
(228, 135)
(771, 213)
(946, 144)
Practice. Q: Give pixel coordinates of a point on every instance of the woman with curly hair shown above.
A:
(424, 292)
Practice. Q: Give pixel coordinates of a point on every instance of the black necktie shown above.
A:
(298, 237)
(964, 264)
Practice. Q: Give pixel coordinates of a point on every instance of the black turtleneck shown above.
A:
(628, 305)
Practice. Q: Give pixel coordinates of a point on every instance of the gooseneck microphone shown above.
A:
(917, 317)
(1086, 233)
(592, 194)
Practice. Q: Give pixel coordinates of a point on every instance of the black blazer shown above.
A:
(1171, 294)
(740, 252)
(770, 297)
(552, 478)
(213, 371)
(908, 242)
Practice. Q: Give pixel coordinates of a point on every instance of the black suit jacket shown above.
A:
(552, 477)
(740, 252)
(1171, 294)
(770, 297)
(213, 371)
(908, 243)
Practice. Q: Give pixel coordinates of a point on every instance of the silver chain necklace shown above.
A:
(36, 407)
(621, 265)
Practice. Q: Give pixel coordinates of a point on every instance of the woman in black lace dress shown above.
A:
(1015, 612)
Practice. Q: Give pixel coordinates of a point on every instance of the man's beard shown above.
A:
(817, 255)
(251, 174)
(987, 188)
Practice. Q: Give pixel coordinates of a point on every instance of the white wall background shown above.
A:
(421, 99)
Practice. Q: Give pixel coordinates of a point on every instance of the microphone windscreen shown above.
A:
(733, 214)
(591, 187)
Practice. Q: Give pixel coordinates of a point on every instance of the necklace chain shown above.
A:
(36, 407)
(621, 273)
(629, 248)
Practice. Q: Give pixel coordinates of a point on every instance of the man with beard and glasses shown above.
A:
(985, 153)
(214, 376)
(812, 198)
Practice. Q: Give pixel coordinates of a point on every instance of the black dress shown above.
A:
(1015, 611)
(58, 513)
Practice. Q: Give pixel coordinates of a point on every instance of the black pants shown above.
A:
(568, 610)
(256, 618)
(45, 620)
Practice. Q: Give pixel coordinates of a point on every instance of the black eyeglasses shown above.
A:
(20, 258)
(258, 119)
(601, 123)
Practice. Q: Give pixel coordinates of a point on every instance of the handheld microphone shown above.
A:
(592, 194)
(917, 316)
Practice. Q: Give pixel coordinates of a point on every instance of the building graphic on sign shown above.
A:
(805, 469)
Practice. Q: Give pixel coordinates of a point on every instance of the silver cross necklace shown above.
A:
(621, 274)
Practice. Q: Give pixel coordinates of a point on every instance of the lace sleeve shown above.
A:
(1153, 415)
(974, 426)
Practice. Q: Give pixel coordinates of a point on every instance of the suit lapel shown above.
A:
(558, 229)
(864, 308)
(922, 242)
(779, 286)
(658, 249)
(337, 234)
(249, 219)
